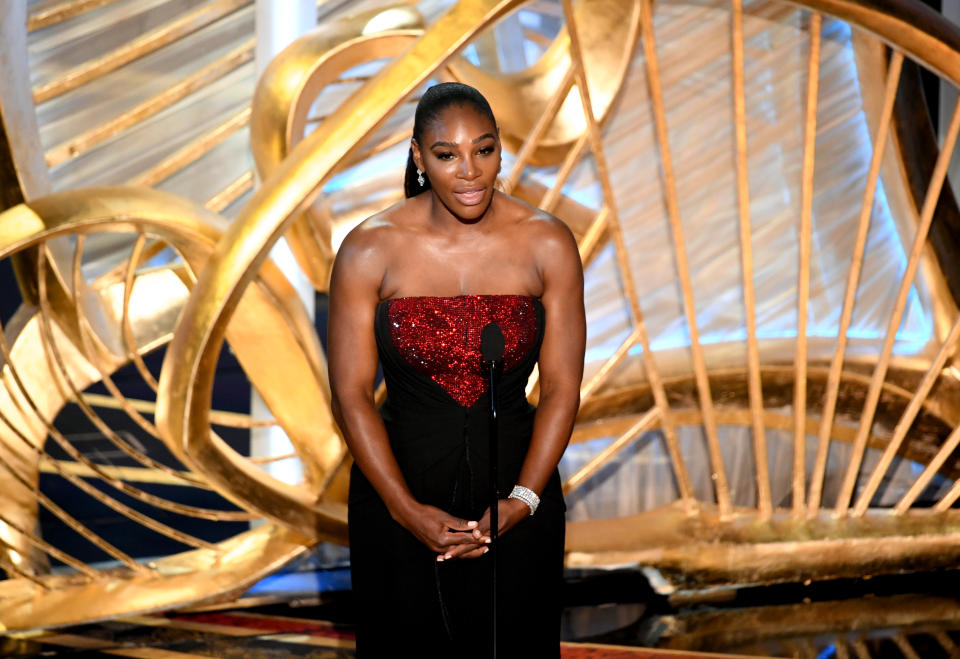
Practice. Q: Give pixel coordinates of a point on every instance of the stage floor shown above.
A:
(611, 614)
(246, 634)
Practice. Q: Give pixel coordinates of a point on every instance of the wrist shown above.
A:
(526, 496)
(517, 509)
(403, 508)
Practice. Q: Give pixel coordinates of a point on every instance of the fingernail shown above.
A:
(487, 540)
(439, 559)
(471, 524)
(486, 549)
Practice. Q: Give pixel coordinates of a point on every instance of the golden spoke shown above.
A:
(906, 282)
(803, 277)
(718, 475)
(856, 264)
(764, 504)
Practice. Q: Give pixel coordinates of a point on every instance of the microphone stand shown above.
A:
(492, 345)
(494, 496)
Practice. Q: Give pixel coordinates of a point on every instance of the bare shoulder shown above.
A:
(379, 233)
(547, 233)
(366, 249)
(367, 236)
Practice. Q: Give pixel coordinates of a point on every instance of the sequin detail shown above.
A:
(440, 337)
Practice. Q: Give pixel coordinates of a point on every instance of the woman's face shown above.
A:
(460, 154)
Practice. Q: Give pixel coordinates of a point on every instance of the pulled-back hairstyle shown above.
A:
(434, 101)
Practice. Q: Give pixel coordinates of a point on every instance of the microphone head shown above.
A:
(492, 342)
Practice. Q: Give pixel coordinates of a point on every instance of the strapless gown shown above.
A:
(436, 417)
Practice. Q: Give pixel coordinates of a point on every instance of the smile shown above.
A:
(470, 197)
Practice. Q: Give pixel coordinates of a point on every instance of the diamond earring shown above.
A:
(420, 178)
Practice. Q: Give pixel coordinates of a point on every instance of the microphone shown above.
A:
(492, 342)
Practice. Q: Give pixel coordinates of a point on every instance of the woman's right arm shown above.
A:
(352, 359)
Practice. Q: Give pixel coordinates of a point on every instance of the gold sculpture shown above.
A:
(79, 333)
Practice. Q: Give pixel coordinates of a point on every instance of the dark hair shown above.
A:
(434, 101)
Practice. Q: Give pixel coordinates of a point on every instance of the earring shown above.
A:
(420, 178)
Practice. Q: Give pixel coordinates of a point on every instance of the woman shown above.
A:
(414, 286)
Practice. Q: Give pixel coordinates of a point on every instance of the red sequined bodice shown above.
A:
(440, 337)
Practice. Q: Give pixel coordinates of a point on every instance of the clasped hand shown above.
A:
(451, 537)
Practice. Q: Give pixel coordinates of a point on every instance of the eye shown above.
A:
(486, 151)
(443, 155)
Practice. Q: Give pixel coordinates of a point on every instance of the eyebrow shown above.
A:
(451, 145)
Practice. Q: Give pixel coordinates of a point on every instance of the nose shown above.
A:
(468, 169)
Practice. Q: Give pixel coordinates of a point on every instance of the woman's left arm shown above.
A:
(561, 355)
(560, 366)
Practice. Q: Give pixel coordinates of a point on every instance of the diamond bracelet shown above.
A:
(526, 495)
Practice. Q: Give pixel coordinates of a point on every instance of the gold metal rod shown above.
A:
(193, 151)
(47, 503)
(382, 145)
(906, 420)
(345, 462)
(526, 151)
(908, 652)
(117, 274)
(684, 483)
(132, 474)
(133, 50)
(919, 485)
(623, 259)
(56, 365)
(217, 417)
(853, 277)
(90, 536)
(45, 546)
(538, 38)
(595, 463)
(546, 118)
(121, 401)
(754, 386)
(730, 416)
(552, 196)
(861, 649)
(175, 476)
(591, 238)
(129, 341)
(129, 512)
(77, 396)
(15, 572)
(90, 353)
(803, 276)
(946, 642)
(318, 118)
(679, 247)
(611, 363)
(903, 293)
(949, 498)
(649, 365)
(63, 11)
(234, 190)
(274, 458)
(349, 80)
(135, 115)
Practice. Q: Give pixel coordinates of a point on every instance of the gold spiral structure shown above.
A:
(80, 332)
(600, 131)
